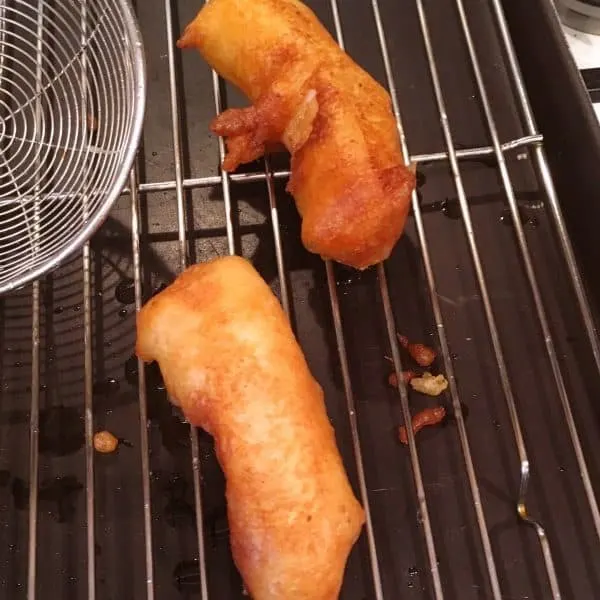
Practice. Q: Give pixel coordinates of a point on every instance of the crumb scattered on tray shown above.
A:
(432, 385)
(105, 442)
(425, 418)
(406, 377)
(423, 355)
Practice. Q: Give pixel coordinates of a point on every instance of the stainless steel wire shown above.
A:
(47, 155)
(488, 309)
(285, 295)
(348, 391)
(142, 392)
(351, 406)
(537, 296)
(34, 417)
(89, 426)
(34, 457)
(415, 159)
(90, 496)
(213, 180)
(441, 332)
(176, 130)
(569, 255)
(224, 177)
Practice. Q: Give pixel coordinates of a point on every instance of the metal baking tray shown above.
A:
(497, 291)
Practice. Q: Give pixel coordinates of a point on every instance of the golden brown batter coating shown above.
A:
(348, 175)
(230, 360)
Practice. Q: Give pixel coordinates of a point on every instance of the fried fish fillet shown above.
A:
(230, 360)
(348, 176)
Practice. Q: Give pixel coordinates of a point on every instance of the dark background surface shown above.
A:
(556, 494)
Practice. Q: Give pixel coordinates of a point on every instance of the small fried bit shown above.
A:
(423, 355)
(406, 377)
(432, 385)
(105, 442)
(425, 418)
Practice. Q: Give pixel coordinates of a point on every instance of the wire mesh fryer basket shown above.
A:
(72, 99)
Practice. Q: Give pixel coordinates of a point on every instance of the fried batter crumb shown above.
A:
(432, 385)
(105, 442)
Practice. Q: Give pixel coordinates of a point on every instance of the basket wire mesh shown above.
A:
(72, 91)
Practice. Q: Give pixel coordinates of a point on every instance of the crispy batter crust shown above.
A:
(231, 362)
(348, 175)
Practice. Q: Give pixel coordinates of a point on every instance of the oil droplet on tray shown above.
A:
(451, 209)
(106, 387)
(131, 371)
(526, 219)
(125, 291)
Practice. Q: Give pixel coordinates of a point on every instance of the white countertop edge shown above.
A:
(585, 48)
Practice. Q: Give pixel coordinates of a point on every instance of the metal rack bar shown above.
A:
(437, 312)
(351, 405)
(89, 426)
(285, 296)
(142, 396)
(522, 241)
(87, 338)
(213, 180)
(34, 420)
(176, 130)
(569, 255)
(348, 391)
(224, 178)
(547, 183)
(424, 517)
(391, 330)
(488, 309)
(34, 417)
(2, 39)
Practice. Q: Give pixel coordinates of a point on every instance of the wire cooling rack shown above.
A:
(385, 551)
(72, 93)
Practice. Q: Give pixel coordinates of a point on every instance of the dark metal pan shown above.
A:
(497, 119)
